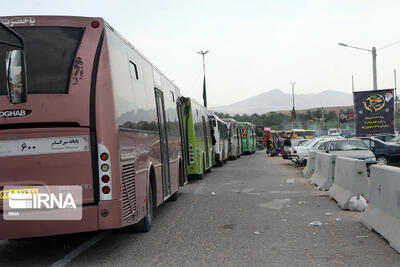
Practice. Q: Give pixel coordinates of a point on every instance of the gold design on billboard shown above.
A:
(374, 103)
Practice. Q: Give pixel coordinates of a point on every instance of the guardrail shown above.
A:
(383, 211)
(324, 170)
(347, 177)
(308, 170)
(350, 179)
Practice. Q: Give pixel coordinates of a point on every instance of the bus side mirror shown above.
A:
(16, 76)
(17, 87)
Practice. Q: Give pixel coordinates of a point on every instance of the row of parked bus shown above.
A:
(80, 106)
(209, 140)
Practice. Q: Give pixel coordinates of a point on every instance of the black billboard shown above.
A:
(374, 112)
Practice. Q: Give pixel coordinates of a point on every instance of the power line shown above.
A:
(389, 45)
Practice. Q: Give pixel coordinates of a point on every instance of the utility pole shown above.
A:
(396, 100)
(293, 111)
(375, 79)
(373, 51)
(204, 80)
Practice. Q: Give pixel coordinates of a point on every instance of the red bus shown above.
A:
(267, 135)
(84, 80)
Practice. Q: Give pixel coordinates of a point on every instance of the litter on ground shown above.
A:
(316, 223)
(358, 203)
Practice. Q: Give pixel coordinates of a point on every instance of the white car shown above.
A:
(296, 146)
(350, 147)
(302, 151)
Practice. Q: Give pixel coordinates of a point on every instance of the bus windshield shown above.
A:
(309, 133)
(50, 54)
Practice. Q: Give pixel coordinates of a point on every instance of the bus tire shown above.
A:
(174, 196)
(145, 224)
(220, 163)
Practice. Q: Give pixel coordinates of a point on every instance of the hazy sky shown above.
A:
(255, 45)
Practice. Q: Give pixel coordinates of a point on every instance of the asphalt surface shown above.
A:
(247, 213)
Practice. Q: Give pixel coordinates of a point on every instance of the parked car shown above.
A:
(395, 140)
(302, 151)
(385, 153)
(296, 143)
(347, 133)
(286, 149)
(385, 137)
(334, 132)
(350, 148)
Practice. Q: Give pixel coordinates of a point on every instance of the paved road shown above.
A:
(244, 214)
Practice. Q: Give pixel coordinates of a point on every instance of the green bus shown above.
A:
(249, 143)
(197, 137)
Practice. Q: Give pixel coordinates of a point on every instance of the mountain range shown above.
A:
(275, 100)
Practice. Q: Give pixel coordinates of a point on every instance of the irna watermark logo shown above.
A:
(42, 202)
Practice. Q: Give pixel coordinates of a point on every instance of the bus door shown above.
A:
(239, 141)
(206, 142)
(183, 139)
(230, 139)
(163, 143)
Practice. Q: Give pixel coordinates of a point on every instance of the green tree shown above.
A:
(331, 116)
(317, 114)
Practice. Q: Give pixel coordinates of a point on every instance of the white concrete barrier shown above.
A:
(324, 169)
(350, 179)
(383, 211)
(310, 167)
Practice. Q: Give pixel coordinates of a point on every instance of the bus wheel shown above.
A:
(174, 196)
(145, 224)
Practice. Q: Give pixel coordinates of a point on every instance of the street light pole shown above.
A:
(375, 79)
(396, 100)
(204, 80)
(293, 111)
(373, 51)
